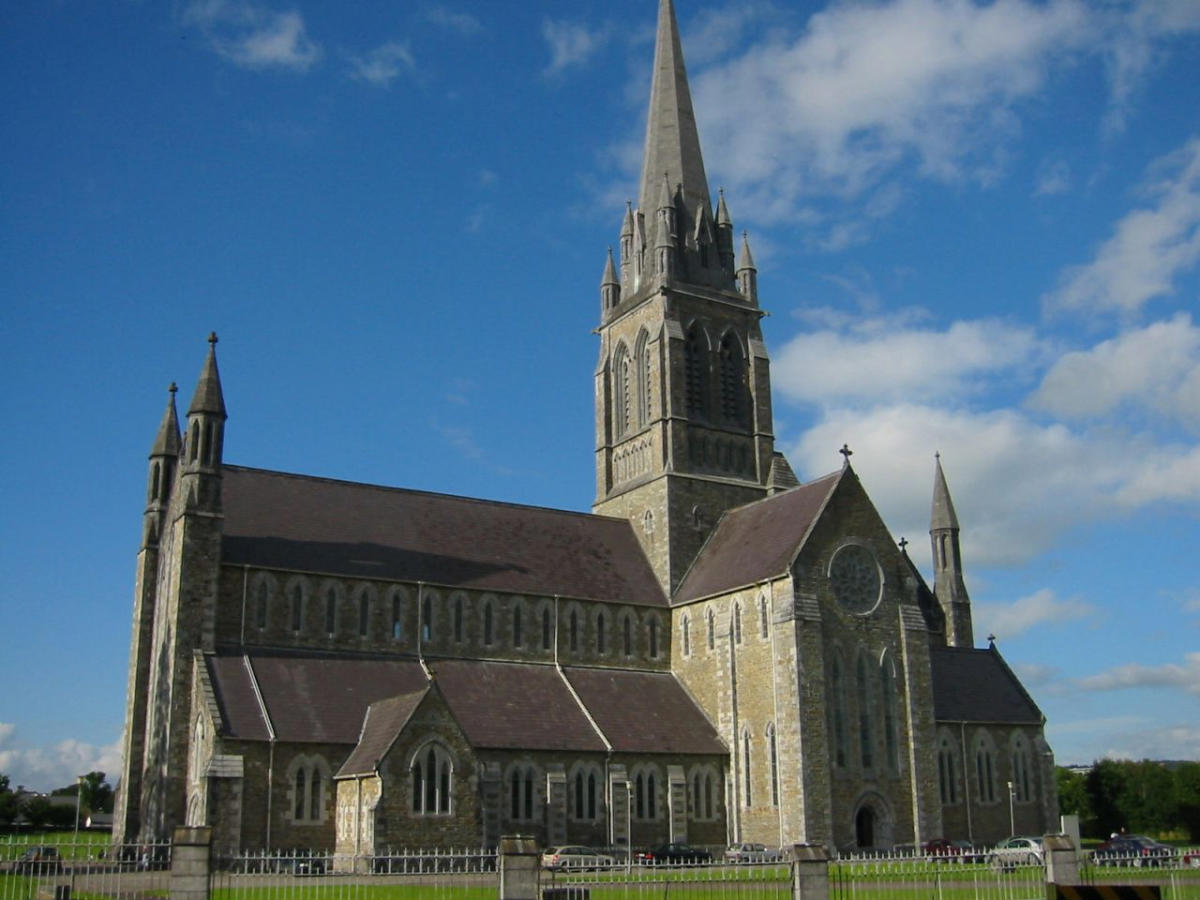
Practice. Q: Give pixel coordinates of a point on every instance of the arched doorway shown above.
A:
(864, 827)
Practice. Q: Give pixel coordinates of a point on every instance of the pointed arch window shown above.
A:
(622, 384)
(685, 634)
(645, 795)
(888, 698)
(863, 696)
(488, 623)
(521, 794)
(643, 381)
(364, 612)
(297, 607)
(627, 636)
(432, 777)
(546, 628)
(1020, 771)
(260, 605)
(837, 688)
(585, 795)
(703, 794)
(397, 618)
(600, 635)
(763, 621)
(458, 620)
(695, 373)
(985, 771)
(310, 783)
(733, 380)
(947, 778)
(518, 615)
(573, 631)
(653, 637)
(330, 610)
(426, 618)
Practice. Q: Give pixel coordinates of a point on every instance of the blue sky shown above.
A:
(977, 228)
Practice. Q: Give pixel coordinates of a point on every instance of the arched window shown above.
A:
(645, 411)
(1020, 770)
(749, 796)
(310, 782)
(297, 607)
(546, 628)
(862, 695)
(947, 779)
(622, 383)
(426, 618)
(517, 615)
(432, 772)
(685, 634)
(585, 795)
(488, 623)
(985, 771)
(762, 617)
(627, 636)
(733, 380)
(330, 610)
(262, 596)
(301, 792)
(364, 612)
(458, 619)
(703, 793)
(653, 637)
(710, 624)
(573, 630)
(888, 698)
(837, 688)
(695, 373)
(600, 648)
(397, 618)
(773, 761)
(521, 793)
(194, 441)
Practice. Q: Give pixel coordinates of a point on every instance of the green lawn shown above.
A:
(88, 844)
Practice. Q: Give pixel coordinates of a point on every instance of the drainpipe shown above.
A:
(245, 589)
(775, 775)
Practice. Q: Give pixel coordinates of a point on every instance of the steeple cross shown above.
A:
(846, 453)
(903, 543)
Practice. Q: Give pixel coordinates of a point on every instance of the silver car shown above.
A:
(576, 856)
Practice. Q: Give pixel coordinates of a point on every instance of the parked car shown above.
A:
(576, 857)
(1133, 850)
(751, 853)
(1191, 859)
(38, 860)
(1016, 851)
(673, 854)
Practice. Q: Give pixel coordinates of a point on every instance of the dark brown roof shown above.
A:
(240, 709)
(309, 698)
(297, 522)
(514, 706)
(644, 712)
(756, 541)
(978, 686)
(385, 719)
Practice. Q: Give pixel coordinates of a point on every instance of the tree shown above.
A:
(95, 793)
(37, 811)
(8, 802)
(1104, 786)
(1073, 797)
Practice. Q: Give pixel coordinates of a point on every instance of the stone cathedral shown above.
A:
(718, 652)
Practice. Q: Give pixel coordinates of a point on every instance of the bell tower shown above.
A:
(683, 400)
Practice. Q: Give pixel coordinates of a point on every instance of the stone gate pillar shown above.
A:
(810, 873)
(519, 860)
(191, 862)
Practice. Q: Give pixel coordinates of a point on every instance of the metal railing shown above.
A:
(30, 869)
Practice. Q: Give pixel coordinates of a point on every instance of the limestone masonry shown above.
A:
(718, 653)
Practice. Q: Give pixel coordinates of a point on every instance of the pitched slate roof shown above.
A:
(978, 686)
(309, 698)
(514, 706)
(385, 719)
(756, 541)
(644, 712)
(302, 523)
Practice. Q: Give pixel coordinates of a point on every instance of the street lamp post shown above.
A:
(1012, 821)
(78, 793)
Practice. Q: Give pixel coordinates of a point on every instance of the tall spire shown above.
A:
(943, 515)
(672, 142)
(948, 584)
(166, 442)
(208, 397)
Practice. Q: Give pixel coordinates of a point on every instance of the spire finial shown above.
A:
(903, 545)
(846, 454)
(172, 388)
(212, 339)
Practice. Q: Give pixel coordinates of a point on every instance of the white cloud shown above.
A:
(253, 36)
(1184, 675)
(1053, 177)
(383, 65)
(464, 23)
(1149, 247)
(46, 768)
(1153, 740)
(867, 86)
(1007, 620)
(1133, 50)
(1156, 367)
(570, 44)
(885, 359)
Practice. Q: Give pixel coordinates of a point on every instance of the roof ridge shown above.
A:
(426, 493)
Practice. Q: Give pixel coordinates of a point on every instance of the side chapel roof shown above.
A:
(757, 540)
(384, 720)
(303, 523)
(971, 685)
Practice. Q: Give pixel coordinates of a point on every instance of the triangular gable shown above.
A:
(383, 723)
(972, 685)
